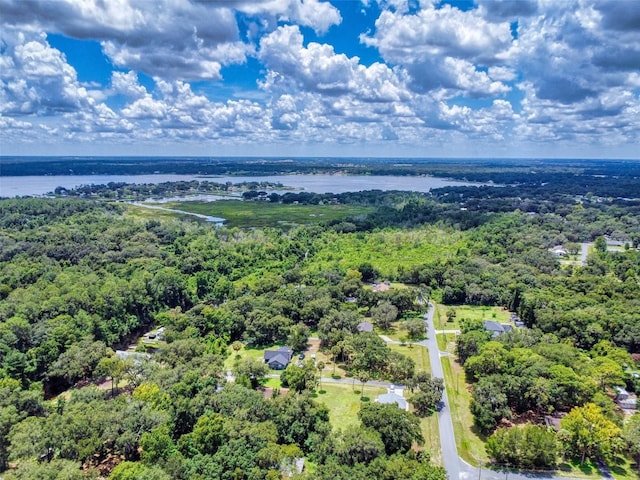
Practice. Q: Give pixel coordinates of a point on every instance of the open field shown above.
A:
(469, 312)
(431, 433)
(149, 214)
(447, 342)
(388, 251)
(417, 353)
(344, 404)
(238, 213)
(396, 332)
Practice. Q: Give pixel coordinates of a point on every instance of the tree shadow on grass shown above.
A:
(476, 431)
(586, 468)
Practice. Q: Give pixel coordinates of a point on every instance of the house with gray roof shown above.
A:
(496, 329)
(395, 396)
(278, 359)
(365, 327)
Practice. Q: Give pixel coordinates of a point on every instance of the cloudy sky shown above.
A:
(483, 78)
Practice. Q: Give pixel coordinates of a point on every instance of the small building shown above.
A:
(559, 251)
(278, 359)
(621, 393)
(496, 329)
(395, 396)
(381, 286)
(630, 403)
(135, 357)
(365, 327)
(626, 400)
(612, 242)
(291, 466)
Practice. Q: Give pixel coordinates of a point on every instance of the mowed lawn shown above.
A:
(252, 353)
(243, 214)
(470, 445)
(343, 402)
(428, 425)
(468, 312)
(431, 433)
(417, 353)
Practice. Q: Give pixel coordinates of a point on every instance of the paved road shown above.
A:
(450, 457)
(584, 252)
(458, 469)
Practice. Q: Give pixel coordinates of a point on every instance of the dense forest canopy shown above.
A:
(82, 277)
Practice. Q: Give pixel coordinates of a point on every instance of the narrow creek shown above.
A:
(208, 218)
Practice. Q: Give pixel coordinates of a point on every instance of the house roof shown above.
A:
(492, 326)
(282, 355)
(135, 356)
(391, 398)
(365, 327)
(280, 358)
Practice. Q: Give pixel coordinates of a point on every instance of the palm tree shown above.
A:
(320, 367)
(364, 377)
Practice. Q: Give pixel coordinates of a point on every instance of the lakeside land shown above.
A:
(84, 278)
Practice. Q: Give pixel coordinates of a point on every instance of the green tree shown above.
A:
(251, 372)
(358, 445)
(399, 368)
(336, 325)
(384, 314)
(113, 367)
(137, 471)
(489, 403)
(364, 376)
(416, 329)
(451, 314)
(526, 446)
(429, 393)
(299, 378)
(631, 435)
(398, 429)
(79, 362)
(586, 432)
(608, 372)
(320, 367)
(57, 469)
(300, 420)
(207, 436)
(469, 343)
(298, 337)
(600, 244)
(370, 353)
(157, 446)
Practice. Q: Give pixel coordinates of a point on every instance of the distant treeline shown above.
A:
(122, 190)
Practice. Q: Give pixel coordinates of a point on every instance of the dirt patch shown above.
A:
(268, 391)
(312, 347)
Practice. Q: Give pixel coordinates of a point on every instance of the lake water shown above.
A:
(40, 185)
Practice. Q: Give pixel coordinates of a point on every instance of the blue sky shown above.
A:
(484, 78)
